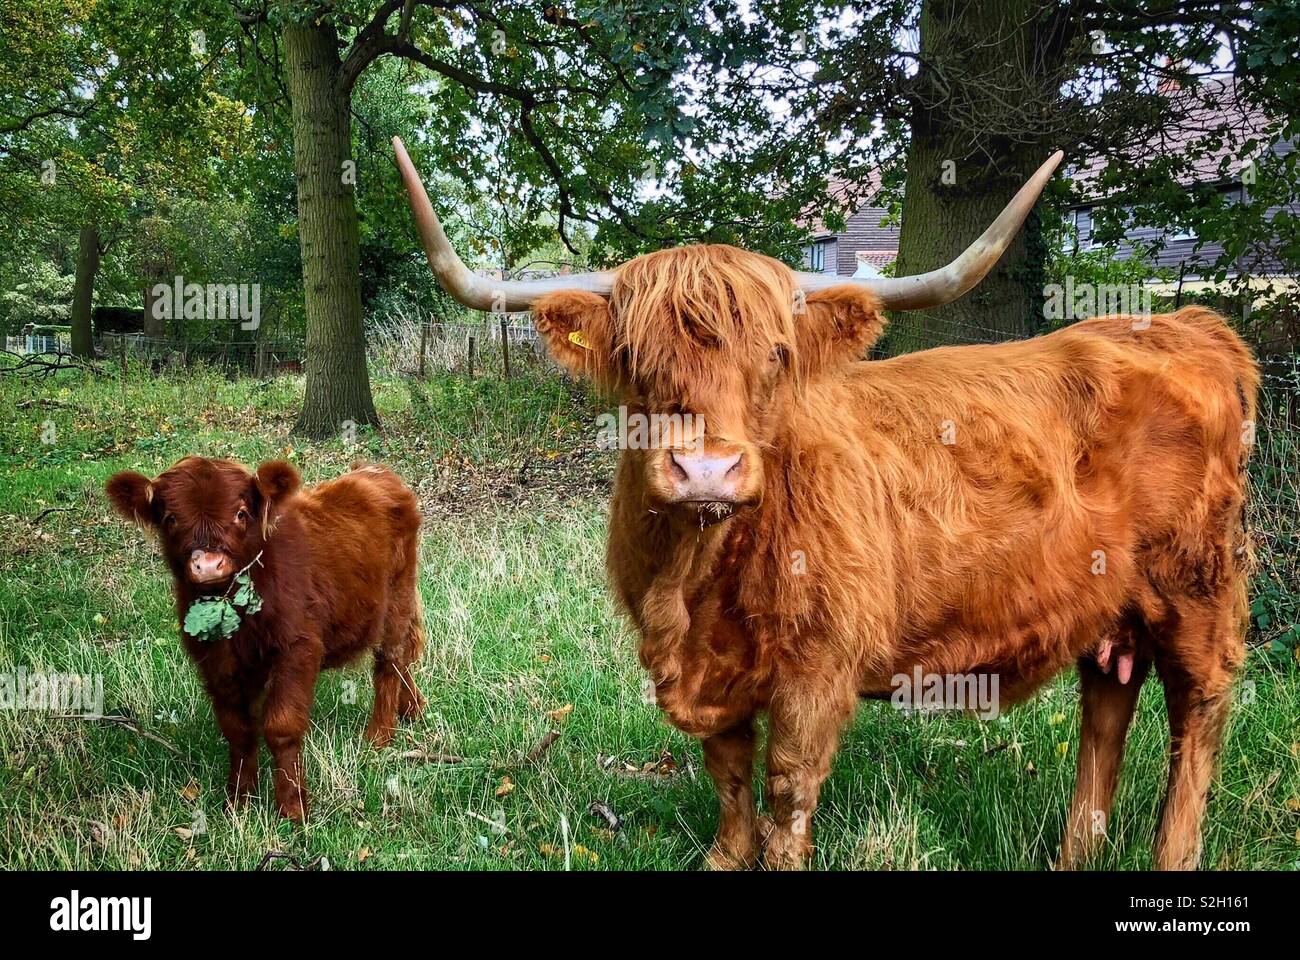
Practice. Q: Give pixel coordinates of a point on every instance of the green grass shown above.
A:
(520, 626)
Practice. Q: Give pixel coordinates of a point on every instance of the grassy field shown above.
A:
(523, 642)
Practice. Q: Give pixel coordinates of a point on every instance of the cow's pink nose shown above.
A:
(205, 566)
(698, 476)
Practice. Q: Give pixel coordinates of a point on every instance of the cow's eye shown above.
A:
(169, 521)
(777, 356)
(242, 515)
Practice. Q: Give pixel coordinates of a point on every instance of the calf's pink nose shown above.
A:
(699, 476)
(206, 567)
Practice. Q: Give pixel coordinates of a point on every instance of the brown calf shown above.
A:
(335, 568)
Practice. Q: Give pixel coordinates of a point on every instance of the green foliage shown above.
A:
(215, 618)
(40, 295)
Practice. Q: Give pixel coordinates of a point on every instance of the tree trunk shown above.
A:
(83, 291)
(975, 139)
(154, 327)
(338, 384)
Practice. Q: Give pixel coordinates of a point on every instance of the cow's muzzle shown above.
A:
(209, 567)
(711, 481)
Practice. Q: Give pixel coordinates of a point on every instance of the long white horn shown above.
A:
(946, 284)
(480, 293)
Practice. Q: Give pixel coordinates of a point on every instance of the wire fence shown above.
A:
(505, 345)
(258, 358)
(502, 345)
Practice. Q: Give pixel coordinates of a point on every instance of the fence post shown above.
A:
(471, 356)
(505, 348)
(424, 343)
(121, 344)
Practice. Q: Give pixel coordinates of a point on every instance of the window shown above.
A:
(1081, 224)
(816, 256)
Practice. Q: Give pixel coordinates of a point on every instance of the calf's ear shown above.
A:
(131, 495)
(276, 479)
(575, 327)
(836, 326)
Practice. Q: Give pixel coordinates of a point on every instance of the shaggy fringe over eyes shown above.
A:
(719, 296)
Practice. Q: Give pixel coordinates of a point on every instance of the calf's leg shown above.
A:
(401, 649)
(285, 721)
(805, 719)
(388, 693)
(729, 759)
(1108, 706)
(240, 730)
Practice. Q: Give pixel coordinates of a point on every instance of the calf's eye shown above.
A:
(169, 520)
(242, 516)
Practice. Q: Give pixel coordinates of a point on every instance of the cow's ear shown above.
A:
(575, 326)
(131, 495)
(836, 326)
(277, 479)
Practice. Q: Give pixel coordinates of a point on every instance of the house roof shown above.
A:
(1210, 105)
(843, 195)
(877, 258)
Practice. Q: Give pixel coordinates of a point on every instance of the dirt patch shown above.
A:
(458, 487)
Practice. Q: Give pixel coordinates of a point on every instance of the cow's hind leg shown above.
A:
(1197, 664)
(388, 688)
(1107, 709)
(405, 645)
(805, 722)
(729, 758)
(395, 691)
(405, 651)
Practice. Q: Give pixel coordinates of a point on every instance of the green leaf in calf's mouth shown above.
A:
(216, 618)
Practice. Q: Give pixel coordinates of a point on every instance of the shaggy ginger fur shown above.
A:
(984, 509)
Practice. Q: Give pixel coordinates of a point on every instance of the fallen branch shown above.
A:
(45, 402)
(424, 756)
(604, 811)
(542, 746)
(38, 364)
(294, 862)
(47, 511)
(126, 723)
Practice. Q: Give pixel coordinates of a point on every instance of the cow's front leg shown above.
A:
(729, 758)
(285, 721)
(806, 716)
(240, 730)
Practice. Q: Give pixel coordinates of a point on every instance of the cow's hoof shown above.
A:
(720, 859)
(294, 809)
(379, 735)
(784, 851)
(239, 792)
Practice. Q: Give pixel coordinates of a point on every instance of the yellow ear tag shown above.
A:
(576, 336)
